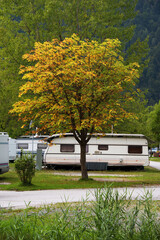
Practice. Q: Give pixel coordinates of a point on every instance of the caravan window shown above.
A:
(41, 145)
(67, 148)
(87, 149)
(102, 147)
(22, 145)
(134, 149)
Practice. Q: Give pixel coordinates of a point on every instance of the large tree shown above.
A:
(78, 86)
(22, 23)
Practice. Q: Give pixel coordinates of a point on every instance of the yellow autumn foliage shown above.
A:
(73, 85)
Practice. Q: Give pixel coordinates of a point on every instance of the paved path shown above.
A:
(155, 164)
(36, 198)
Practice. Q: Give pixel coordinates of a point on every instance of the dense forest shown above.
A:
(136, 23)
(148, 24)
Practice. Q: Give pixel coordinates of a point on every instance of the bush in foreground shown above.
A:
(25, 168)
(111, 216)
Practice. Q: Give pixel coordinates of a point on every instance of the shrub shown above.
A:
(25, 168)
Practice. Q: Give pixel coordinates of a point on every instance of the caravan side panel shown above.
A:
(116, 151)
(4, 152)
(12, 149)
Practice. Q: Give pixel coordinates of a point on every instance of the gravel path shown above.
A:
(36, 198)
(155, 165)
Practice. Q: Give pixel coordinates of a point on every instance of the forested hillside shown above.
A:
(148, 24)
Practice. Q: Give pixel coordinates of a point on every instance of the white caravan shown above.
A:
(12, 149)
(30, 144)
(113, 149)
(4, 152)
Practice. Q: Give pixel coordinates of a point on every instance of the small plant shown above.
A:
(25, 168)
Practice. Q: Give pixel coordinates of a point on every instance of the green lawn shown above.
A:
(155, 159)
(46, 179)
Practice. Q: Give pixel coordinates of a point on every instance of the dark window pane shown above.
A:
(134, 149)
(41, 146)
(67, 147)
(22, 145)
(87, 148)
(102, 147)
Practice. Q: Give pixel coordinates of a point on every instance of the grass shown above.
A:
(111, 216)
(46, 179)
(155, 159)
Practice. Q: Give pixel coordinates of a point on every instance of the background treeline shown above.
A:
(135, 23)
(148, 24)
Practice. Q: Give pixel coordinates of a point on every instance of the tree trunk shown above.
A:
(83, 161)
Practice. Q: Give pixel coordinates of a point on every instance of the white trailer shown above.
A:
(30, 144)
(4, 152)
(12, 149)
(113, 149)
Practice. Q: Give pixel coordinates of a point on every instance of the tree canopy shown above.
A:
(78, 86)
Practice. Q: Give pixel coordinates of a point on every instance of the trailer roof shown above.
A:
(50, 138)
(4, 133)
(30, 137)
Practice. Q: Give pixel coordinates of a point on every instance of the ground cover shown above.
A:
(51, 179)
(111, 216)
(155, 159)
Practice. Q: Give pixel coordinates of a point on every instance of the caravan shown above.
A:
(4, 152)
(12, 149)
(30, 144)
(112, 149)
